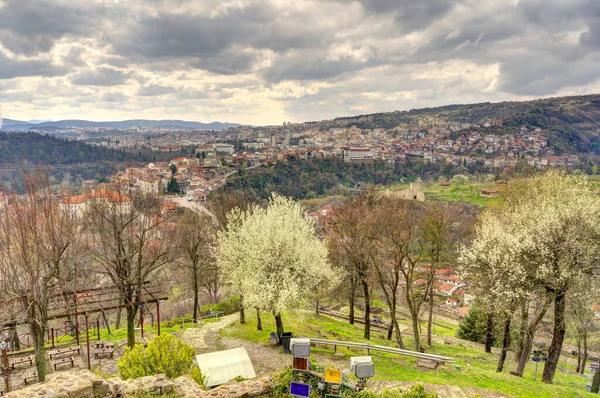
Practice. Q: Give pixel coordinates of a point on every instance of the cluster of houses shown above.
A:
(193, 177)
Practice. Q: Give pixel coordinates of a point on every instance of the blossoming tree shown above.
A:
(272, 257)
(543, 240)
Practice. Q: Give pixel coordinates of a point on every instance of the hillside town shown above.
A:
(486, 144)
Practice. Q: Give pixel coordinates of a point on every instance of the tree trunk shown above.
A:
(352, 298)
(398, 334)
(505, 343)
(131, 326)
(596, 381)
(430, 319)
(279, 325)
(528, 338)
(522, 329)
(242, 313)
(489, 329)
(525, 351)
(415, 323)
(317, 307)
(106, 322)
(390, 331)
(365, 286)
(118, 321)
(578, 354)
(196, 298)
(585, 353)
(258, 320)
(557, 337)
(38, 336)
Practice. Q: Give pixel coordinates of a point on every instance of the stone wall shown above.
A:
(85, 384)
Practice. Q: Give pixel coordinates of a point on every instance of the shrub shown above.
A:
(280, 383)
(229, 306)
(165, 354)
(198, 377)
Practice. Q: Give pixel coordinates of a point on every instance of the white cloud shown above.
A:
(263, 62)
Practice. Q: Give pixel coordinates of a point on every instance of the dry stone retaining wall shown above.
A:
(85, 384)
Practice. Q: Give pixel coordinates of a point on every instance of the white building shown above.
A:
(227, 149)
(79, 204)
(353, 154)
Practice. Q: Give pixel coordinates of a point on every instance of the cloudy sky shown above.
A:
(269, 61)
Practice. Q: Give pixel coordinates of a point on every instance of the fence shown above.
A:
(197, 322)
(392, 350)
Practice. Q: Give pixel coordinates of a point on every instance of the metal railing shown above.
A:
(198, 322)
(392, 350)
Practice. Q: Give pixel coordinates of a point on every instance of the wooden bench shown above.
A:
(21, 360)
(104, 352)
(62, 351)
(61, 361)
(29, 376)
(104, 344)
(427, 364)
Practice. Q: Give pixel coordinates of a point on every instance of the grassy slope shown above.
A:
(480, 374)
(464, 193)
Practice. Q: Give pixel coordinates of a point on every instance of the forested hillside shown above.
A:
(69, 161)
(301, 179)
(37, 149)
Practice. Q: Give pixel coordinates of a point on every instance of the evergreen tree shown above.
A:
(473, 326)
(173, 187)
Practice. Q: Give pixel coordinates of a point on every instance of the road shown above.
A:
(195, 206)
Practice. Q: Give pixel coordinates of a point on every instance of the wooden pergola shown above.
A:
(71, 304)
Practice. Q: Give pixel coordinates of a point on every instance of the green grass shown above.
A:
(454, 193)
(481, 372)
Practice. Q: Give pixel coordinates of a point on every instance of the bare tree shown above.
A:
(38, 244)
(400, 236)
(194, 240)
(222, 203)
(126, 242)
(354, 249)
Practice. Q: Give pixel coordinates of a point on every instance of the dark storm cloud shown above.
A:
(100, 77)
(10, 68)
(409, 15)
(31, 26)
(225, 44)
(303, 67)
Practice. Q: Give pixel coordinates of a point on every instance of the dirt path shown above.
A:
(204, 339)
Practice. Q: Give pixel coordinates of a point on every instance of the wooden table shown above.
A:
(104, 352)
(104, 344)
(61, 361)
(61, 351)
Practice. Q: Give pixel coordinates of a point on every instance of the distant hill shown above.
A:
(27, 151)
(9, 124)
(572, 123)
(37, 149)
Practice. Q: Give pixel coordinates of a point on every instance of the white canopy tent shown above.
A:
(222, 366)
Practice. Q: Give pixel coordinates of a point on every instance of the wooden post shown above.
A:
(87, 341)
(77, 329)
(6, 377)
(52, 337)
(158, 316)
(142, 319)
(98, 327)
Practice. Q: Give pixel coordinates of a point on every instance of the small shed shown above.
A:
(222, 366)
